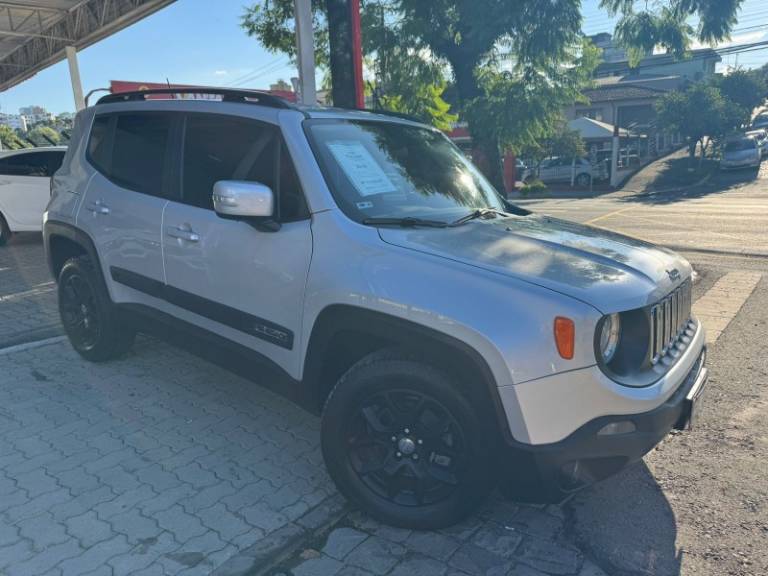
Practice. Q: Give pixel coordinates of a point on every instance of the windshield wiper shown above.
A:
(480, 213)
(406, 222)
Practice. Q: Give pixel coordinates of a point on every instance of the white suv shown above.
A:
(447, 338)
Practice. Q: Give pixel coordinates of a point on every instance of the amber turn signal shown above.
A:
(565, 337)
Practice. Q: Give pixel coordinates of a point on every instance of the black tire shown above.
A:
(404, 444)
(5, 231)
(583, 180)
(94, 326)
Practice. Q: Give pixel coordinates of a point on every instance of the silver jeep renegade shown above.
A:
(362, 266)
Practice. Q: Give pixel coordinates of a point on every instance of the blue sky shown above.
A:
(190, 43)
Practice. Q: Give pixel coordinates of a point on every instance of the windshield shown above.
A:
(390, 170)
(739, 145)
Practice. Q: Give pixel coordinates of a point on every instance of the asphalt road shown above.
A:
(699, 502)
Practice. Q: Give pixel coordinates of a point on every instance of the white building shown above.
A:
(36, 114)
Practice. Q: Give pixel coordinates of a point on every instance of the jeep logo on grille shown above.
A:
(674, 274)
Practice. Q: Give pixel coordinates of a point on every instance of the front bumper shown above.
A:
(738, 165)
(587, 455)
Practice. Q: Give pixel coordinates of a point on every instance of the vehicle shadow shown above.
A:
(719, 182)
(626, 524)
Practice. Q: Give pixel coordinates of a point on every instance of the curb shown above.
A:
(32, 339)
(284, 542)
(668, 190)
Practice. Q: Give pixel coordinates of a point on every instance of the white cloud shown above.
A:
(221, 73)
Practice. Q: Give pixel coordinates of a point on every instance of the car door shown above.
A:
(25, 180)
(122, 209)
(230, 276)
(545, 171)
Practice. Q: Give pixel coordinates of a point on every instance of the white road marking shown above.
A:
(723, 301)
(31, 345)
(43, 288)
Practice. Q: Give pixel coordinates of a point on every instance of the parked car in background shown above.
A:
(761, 136)
(562, 169)
(760, 121)
(25, 188)
(741, 152)
(311, 242)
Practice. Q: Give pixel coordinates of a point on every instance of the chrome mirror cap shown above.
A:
(247, 199)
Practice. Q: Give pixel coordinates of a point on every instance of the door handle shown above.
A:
(183, 233)
(97, 208)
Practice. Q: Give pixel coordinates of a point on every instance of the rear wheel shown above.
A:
(5, 231)
(93, 325)
(402, 442)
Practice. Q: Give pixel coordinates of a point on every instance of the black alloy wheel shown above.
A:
(407, 448)
(408, 442)
(79, 314)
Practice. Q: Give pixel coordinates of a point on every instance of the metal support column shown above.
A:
(74, 76)
(306, 52)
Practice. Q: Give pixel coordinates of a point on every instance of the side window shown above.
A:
(230, 148)
(225, 148)
(29, 164)
(139, 152)
(100, 144)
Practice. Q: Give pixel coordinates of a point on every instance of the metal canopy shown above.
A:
(35, 33)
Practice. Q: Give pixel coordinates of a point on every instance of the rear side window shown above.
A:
(132, 150)
(230, 148)
(139, 152)
(28, 164)
(100, 144)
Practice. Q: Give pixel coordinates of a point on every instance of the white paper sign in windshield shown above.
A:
(361, 168)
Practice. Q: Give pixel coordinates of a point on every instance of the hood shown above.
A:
(609, 271)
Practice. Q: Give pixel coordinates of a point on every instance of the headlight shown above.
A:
(609, 336)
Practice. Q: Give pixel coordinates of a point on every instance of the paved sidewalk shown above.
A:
(156, 464)
(162, 463)
(28, 306)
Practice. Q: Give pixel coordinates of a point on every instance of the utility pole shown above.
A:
(345, 40)
(305, 48)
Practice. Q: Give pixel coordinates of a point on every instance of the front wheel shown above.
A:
(583, 180)
(404, 443)
(90, 320)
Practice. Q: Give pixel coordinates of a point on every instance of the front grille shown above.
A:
(669, 319)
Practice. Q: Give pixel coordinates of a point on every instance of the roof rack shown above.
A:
(227, 95)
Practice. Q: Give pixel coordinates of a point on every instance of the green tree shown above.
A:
(742, 88)
(560, 141)
(700, 113)
(8, 138)
(665, 23)
(44, 136)
(473, 37)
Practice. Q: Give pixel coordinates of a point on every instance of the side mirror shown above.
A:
(243, 199)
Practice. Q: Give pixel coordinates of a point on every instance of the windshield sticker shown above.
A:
(361, 168)
(364, 205)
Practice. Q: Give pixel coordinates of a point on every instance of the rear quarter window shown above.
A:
(132, 150)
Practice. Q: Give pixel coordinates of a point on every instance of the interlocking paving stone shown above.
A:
(342, 541)
(377, 555)
(161, 463)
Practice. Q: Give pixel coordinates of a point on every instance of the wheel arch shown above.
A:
(64, 241)
(344, 334)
